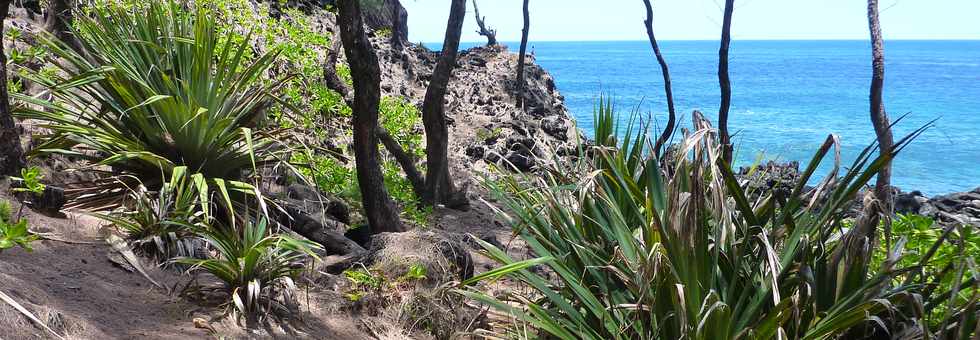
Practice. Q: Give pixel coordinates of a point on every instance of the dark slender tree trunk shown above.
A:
(396, 35)
(485, 31)
(439, 183)
(725, 83)
(520, 57)
(855, 244)
(11, 153)
(878, 116)
(59, 21)
(380, 210)
(275, 11)
(668, 91)
(330, 76)
(404, 158)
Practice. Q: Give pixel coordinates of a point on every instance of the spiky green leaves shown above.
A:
(253, 263)
(675, 248)
(157, 88)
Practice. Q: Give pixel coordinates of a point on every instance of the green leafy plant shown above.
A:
(383, 32)
(30, 183)
(16, 57)
(415, 272)
(401, 118)
(488, 134)
(13, 233)
(645, 251)
(21, 57)
(255, 265)
(30, 179)
(329, 174)
(928, 252)
(13, 33)
(14, 85)
(161, 89)
(363, 281)
(922, 233)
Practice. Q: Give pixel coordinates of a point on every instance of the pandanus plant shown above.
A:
(156, 87)
(256, 267)
(644, 251)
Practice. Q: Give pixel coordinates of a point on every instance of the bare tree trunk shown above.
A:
(855, 244)
(520, 58)
(668, 91)
(396, 35)
(11, 153)
(485, 31)
(404, 158)
(878, 116)
(439, 183)
(380, 210)
(275, 10)
(725, 83)
(330, 76)
(59, 20)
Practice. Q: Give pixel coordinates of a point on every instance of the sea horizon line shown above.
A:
(506, 42)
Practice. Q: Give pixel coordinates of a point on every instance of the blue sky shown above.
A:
(563, 20)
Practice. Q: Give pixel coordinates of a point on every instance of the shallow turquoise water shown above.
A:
(788, 95)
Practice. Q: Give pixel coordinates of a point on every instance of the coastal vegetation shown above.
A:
(263, 161)
(674, 248)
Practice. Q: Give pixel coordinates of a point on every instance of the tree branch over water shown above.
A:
(725, 83)
(668, 92)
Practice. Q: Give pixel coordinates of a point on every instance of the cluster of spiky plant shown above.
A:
(645, 251)
(153, 221)
(177, 111)
(156, 88)
(256, 266)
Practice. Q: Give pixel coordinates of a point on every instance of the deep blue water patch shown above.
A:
(788, 95)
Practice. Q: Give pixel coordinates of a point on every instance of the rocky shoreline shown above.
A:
(952, 208)
(958, 207)
(485, 125)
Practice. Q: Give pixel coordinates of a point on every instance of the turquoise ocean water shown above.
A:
(788, 95)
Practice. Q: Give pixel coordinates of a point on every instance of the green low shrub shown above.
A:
(373, 282)
(932, 250)
(922, 233)
(363, 281)
(30, 181)
(13, 233)
(14, 230)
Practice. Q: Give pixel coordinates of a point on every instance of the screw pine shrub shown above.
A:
(154, 221)
(645, 251)
(158, 88)
(256, 267)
